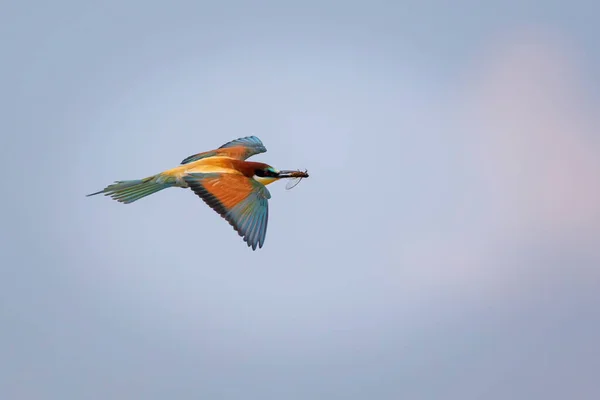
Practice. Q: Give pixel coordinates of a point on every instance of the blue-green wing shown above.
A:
(240, 149)
(242, 201)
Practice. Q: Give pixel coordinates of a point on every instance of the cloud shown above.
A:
(529, 139)
(536, 137)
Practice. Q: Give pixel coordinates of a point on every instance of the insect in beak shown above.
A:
(295, 177)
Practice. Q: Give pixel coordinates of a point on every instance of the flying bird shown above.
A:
(230, 185)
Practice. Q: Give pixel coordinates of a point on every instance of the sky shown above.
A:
(446, 244)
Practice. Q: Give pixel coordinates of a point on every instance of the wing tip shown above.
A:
(248, 141)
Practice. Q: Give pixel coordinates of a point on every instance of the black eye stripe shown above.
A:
(265, 173)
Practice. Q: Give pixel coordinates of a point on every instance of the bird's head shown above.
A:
(267, 174)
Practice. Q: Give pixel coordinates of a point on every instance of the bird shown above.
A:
(223, 178)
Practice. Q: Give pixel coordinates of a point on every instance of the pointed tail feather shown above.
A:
(130, 191)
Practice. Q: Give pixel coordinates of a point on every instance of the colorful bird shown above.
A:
(230, 185)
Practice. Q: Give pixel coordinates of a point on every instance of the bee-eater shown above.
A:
(230, 185)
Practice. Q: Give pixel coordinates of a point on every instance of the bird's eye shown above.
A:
(266, 173)
(272, 172)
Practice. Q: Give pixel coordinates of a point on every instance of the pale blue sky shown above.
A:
(444, 247)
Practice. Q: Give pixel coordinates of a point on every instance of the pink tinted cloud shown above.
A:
(532, 141)
(536, 137)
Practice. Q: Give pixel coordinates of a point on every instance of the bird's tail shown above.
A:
(130, 191)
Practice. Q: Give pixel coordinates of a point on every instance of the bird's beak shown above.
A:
(292, 174)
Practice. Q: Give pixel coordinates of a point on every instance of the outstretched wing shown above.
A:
(242, 201)
(240, 149)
